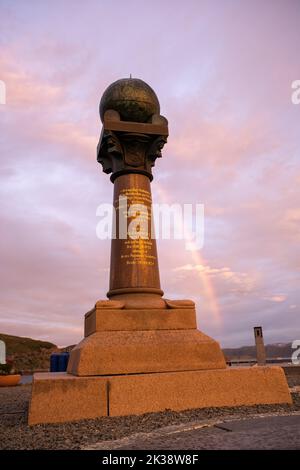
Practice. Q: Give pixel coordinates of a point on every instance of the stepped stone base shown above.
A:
(61, 397)
(140, 352)
(138, 341)
(100, 319)
(135, 361)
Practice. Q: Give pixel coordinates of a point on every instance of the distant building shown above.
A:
(260, 346)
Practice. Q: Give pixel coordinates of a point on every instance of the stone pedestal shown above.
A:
(139, 341)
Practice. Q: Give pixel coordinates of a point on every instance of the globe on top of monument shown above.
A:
(133, 98)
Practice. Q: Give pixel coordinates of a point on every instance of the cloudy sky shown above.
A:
(223, 72)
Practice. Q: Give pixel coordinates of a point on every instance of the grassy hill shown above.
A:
(19, 344)
(27, 353)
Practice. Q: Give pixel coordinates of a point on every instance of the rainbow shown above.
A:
(210, 296)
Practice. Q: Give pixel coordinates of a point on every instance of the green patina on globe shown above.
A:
(132, 98)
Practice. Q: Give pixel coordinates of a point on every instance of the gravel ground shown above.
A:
(293, 381)
(16, 434)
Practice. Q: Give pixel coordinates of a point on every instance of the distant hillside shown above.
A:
(249, 352)
(19, 344)
(27, 353)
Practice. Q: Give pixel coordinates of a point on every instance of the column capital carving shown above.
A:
(130, 147)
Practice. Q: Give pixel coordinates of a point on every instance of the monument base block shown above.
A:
(140, 352)
(61, 397)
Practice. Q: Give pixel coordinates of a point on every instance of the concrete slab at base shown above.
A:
(197, 389)
(62, 397)
(58, 397)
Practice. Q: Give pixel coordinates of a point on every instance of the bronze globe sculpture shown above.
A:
(132, 98)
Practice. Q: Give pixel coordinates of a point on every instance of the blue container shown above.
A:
(63, 362)
(59, 362)
(54, 362)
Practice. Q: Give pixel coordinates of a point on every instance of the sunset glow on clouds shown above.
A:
(222, 71)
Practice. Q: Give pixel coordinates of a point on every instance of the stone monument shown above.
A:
(260, 346)
(142, 352)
